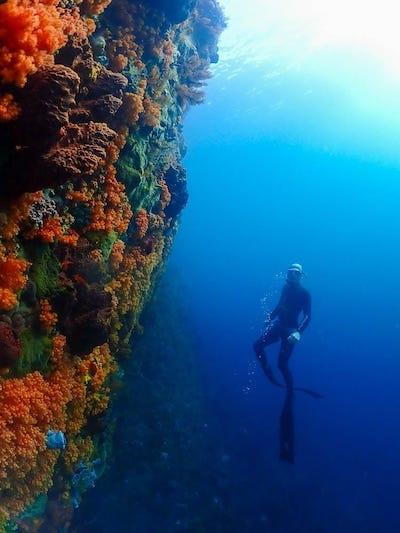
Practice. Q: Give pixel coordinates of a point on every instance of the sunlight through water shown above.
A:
(294, 30)
(323, 73)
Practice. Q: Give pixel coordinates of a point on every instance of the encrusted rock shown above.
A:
(80, 151)
(176, 181)
(107, 82)
(47, 100)
(101, 109)
(85, 317)
(78, 55)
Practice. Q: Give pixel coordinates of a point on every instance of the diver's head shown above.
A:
(294, 273)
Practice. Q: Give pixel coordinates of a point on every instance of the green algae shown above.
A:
(45, 270)
(103, 241)
(37, 508)
(35, 352)
(132, 163)
(82, 214)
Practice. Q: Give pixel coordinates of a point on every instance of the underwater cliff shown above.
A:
(163, 473)
(92, 98)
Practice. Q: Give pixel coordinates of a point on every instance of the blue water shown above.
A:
(256, 205)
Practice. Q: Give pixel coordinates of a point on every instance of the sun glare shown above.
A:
(261, 30)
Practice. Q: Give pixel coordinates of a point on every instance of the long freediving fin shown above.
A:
(270, 375)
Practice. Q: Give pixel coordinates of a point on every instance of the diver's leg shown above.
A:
(270, 336)
(283, 364)
(286, 435)
(286, 421)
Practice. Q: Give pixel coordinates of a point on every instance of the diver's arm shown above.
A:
(295, 336)
(306, 313)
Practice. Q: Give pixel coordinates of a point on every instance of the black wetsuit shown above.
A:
(294, 300)
(284, 320)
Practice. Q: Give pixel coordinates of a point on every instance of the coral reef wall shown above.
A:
(92, 98)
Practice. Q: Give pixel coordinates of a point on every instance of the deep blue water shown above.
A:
(256, 206)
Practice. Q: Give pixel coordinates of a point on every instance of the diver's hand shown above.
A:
(294, 337)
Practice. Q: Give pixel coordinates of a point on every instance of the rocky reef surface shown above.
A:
(92, 98)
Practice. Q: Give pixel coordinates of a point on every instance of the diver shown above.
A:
(283, 325)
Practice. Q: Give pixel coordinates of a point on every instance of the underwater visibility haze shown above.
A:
(131, 398)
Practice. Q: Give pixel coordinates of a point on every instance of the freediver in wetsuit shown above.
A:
(283, 325)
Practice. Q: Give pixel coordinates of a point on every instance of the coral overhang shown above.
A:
(92, 98)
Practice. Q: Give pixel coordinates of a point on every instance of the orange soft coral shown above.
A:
(151, 114)
(78, 196)
(117, 254)
(32, 405)
(17, 213)
(47, 317)
(12, 279)
(119, 62)
(115, 147)
(133, 282)
(79, 449)
(95, 368)
(165, 196)
(31, 32)
(111, 210)
(142, 223)
(122, 49)
(29, 406)
(94, 371)
(52, 231)
(95, 7)
(133, 104)
(9, 109)
(58, 351)
(165, 50)
(96, 256)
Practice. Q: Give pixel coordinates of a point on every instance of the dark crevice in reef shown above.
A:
(92, 99)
